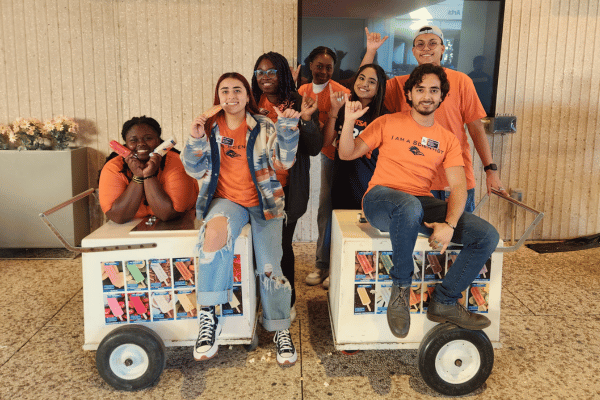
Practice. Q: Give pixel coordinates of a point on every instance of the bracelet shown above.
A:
(138, 179)
(450, 225)
(151, 176)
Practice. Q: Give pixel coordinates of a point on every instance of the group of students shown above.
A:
(382, 149)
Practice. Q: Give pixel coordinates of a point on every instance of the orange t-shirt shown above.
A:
(181, 188)
(265, 104)
(409, 154)
(324, 105)
(461, 106)
(235, 181)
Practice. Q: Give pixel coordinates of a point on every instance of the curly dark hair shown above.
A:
(376, 106)
(322, 50)
(151, 122)
(416, 77)
(285, 85)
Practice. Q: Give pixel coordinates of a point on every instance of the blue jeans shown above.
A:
(469, 206)
(324, 214)
(215, 269)
(402, 215)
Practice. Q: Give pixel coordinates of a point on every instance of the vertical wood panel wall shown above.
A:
(104, 61)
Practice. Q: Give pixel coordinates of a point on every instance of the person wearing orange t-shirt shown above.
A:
(144, 183)
(412, 147)
(461, 106)
(321, 62)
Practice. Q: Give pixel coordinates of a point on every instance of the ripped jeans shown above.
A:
(215, 269)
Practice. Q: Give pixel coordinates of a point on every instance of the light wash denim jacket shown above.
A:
(269, 147)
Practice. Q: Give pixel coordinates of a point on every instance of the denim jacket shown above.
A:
(269, 147)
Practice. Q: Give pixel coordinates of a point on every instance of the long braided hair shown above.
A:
(285, 85)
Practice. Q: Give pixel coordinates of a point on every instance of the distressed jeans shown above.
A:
(215, 269)
(402, 215)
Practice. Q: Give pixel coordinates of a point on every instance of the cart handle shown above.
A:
(68, 246)
(538, 217)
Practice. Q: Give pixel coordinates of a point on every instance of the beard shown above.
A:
(425, 112)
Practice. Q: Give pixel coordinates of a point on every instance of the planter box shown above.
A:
(34, 181)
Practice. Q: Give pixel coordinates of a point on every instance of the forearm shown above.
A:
(456, 205)
(329, 132)
(369, 57)
(480, 141)
(159, 201)
(349, 147)
(196, 156)
(127, 204)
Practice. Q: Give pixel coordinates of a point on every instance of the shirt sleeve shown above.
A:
(112, 183)
(453, 156)
(372, 136)
(472, 109)
(181, 188)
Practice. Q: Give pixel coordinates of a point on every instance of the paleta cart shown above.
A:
(139, 295)
(451, 360)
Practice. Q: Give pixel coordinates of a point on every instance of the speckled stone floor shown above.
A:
(550, 326)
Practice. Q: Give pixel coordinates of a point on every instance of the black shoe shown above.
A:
(398, 311)
(209, 329)
(286, 352)
(456, 314)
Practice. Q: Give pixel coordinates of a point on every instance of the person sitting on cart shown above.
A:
(234, 155)
(144, 183)
(398, 200)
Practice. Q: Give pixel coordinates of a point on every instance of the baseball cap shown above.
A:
(429, 29)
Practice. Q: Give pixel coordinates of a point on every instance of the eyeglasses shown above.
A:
(432, 44)
(271, 73)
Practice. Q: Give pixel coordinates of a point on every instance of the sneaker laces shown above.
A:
(283, 339)
(207, 327)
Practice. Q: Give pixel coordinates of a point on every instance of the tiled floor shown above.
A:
(550, 332)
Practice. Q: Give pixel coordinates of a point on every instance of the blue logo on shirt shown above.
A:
(415, 150)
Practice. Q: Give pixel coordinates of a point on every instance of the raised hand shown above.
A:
(354, 109)
(374, 40)
(295, 72)
(337, 100)
(287, 113)
(197, 128)
(308, 107)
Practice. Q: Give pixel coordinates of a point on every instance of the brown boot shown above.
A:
(456, 314)
(398, 311)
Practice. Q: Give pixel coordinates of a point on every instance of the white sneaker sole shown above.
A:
(212, 352)
(287, 361)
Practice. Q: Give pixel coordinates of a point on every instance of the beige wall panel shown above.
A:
(12, 87)
(33, 73)
(76, 43)
(186, 115)
(176, 56)
(206, 96)
(4, 95)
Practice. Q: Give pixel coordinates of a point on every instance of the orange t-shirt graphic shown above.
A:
(235, 181)
(324, 105)
(460, 106)
(409, 154)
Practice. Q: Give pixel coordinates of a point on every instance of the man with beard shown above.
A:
(412, 146)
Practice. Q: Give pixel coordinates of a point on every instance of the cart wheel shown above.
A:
(131, 358)
(455, 361)
(350, 352)
(253, 344)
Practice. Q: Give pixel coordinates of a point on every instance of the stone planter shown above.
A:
(34, 181)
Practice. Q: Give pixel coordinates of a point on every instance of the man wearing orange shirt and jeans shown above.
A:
(412, 147)
(461, 106)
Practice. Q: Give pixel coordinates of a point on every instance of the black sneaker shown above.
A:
(209, 329)
(286, 352)
(456, 314)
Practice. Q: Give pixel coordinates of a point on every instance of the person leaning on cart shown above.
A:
(144, 183)
(411, 148)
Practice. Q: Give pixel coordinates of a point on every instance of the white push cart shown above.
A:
(139, 295)
(452, 360)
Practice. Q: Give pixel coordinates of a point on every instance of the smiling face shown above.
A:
(432, 50)
(233, 96)
(267, 84)
(321, 68)
(427, 95)
(141, 139)
(365, 86)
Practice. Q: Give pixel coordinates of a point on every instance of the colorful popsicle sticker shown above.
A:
(237, 269)
(485, 272)
(185, 304)
(160, 274)
(364, 298)
(234, 306)
(114, 308)
(385, 265)
(426, 294)
(162, 306)
(112, 276)
(138, 307)
(478, 300)
(184, 272)
(136, 276)
(434, 266)
(382, 298)
(415, 298)
(364, 266)
(418, 265)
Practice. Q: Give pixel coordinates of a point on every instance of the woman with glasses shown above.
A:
(273, 88)
(234, 155)
(321, 63)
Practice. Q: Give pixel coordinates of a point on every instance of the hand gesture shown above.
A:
(374, 40)
(493, 181)
(354, 110)
(337, 100)
(287, 113)
(295, 72)
(152, 165)
(197, 128)
(135, 165)
(441, 236)
(308, 107)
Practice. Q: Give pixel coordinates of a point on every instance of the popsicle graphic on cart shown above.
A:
(365, 264)
(185, 269)
(115, 309)
(186, 304)
(234, 306)
(382, 298)
(363, 299)
(135, 268)
(160, 275)
(112, 276)
(435, 265)
(162, 306)
(138, 307)
(386, 264)
(477, 300)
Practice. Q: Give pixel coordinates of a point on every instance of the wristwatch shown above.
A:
(492, 166)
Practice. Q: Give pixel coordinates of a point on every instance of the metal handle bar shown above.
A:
(539, 215)
(68, 246)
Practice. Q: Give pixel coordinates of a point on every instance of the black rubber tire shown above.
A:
(449, 334)
(253, 344)
(139, 337)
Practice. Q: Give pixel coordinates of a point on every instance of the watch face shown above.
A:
(493, 167)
